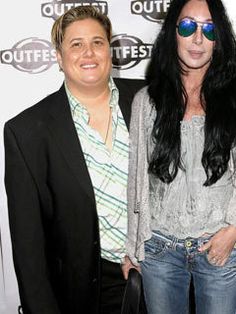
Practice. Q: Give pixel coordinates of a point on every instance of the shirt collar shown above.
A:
(78, 109)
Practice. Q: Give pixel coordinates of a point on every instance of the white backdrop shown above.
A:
(28, 72)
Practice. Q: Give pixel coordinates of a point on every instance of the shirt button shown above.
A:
(94, 280)
(95, 243)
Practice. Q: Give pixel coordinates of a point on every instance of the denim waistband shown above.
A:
(188, 242)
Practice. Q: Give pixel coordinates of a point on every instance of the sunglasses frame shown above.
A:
(197, 24)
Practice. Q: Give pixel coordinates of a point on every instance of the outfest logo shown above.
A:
(34, 55)
(152, 10)
(56, 8)
(127, 51)
(31, 55)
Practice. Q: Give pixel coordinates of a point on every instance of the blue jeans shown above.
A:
(167, 269)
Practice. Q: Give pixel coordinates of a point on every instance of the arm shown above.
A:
(137, 178)
(27, 234)
(131, 190)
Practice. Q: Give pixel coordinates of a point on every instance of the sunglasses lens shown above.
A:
(208, 31)
(187, 28)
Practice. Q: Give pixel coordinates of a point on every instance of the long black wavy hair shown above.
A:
(217, 96)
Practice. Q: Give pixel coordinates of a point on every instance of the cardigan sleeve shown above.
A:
(26, 226)
(138, 192)
(231, 211)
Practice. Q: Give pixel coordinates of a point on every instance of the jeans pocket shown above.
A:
(155, 247)
(231, 261)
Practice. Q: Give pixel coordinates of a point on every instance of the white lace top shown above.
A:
(185, 207)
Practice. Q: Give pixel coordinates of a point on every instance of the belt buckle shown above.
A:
(188, 243)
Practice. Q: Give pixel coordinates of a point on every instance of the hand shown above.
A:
(220, 245)
(127, 265)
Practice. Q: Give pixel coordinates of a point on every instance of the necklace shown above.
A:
(108, 125)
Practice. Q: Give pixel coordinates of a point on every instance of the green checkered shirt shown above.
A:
(108, 172)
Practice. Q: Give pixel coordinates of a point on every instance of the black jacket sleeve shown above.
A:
(27, 234)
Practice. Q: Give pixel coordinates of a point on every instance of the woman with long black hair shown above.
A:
(182, 196)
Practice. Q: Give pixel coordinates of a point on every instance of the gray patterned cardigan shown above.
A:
(139, 228)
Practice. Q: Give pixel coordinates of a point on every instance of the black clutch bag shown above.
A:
(133, 301)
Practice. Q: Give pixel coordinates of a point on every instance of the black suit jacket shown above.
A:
(52, 209)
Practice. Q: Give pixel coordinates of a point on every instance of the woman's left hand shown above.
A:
(220, 245)
(127, 265)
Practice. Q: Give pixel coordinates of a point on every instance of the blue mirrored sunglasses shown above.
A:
(187, 27)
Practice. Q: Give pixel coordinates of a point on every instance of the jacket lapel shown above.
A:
(124, 101)
(62, 128)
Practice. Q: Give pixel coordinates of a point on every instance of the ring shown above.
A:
(214, 260)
